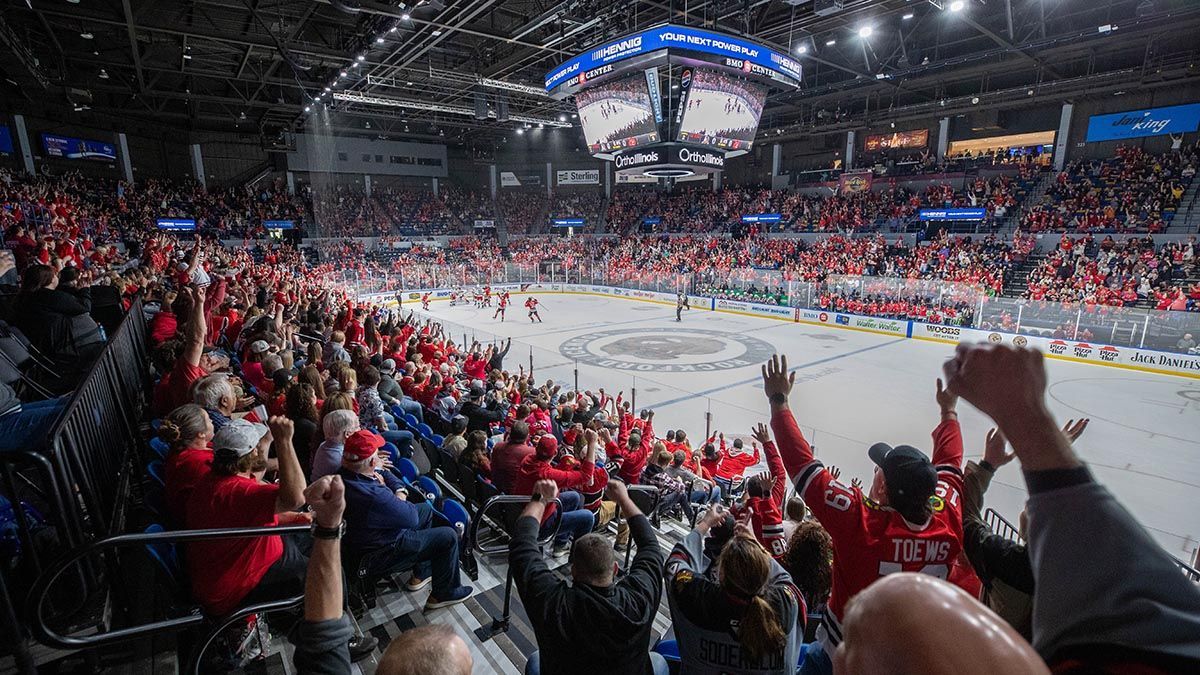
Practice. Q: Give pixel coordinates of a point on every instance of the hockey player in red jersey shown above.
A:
(764, 498)
(501, 305)
(425, 302)
(910, 522)
(532, 305)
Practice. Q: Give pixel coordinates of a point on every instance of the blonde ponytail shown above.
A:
(744, 568)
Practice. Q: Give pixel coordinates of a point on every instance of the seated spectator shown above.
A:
(672, 492)
(480, 414)
(188, 432)
(732, 463)
(703, 491)
(380, 517)
(508, 456)
(392, 394)
(576, 520)
(322, 645)
(750, 619)
(226, 573)
(939, 629)
(809, 559)
(57, 323)
(216, 395)
(301, 408)
(595, 624)
(475, 458)
(336, 426)
(456, 441)
(795, 512)
(372, 415)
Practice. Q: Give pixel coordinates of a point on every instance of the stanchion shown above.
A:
(633, 400)
(576, 377)
(530, 360)
(707, 424)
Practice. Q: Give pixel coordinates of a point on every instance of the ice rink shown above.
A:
(707, 115)
(624, 119)
(853, 389)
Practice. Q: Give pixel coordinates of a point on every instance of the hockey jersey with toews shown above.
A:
(767, 510)
(870, 540)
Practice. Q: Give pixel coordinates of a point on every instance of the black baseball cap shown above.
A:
(910, 475)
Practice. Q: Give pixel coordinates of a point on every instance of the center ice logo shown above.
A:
(677, 351)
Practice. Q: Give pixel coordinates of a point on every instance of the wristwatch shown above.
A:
(535, 497)
(779, 398)
(335, 532)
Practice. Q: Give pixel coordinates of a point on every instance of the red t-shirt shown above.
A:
(223, 571)
(175, 388)
(184, 469)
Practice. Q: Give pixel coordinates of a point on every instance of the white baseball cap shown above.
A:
(239, 436)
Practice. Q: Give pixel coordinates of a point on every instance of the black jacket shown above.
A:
(583, 629)
(478, 417)
(59, 325)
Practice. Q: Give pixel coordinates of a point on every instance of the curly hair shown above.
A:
(809, 559)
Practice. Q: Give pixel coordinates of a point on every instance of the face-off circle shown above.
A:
(675, 350)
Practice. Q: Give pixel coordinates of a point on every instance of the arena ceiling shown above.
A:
(257, 64)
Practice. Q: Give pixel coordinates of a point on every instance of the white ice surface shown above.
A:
(857, 388)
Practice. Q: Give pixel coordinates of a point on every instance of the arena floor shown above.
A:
(854, 388)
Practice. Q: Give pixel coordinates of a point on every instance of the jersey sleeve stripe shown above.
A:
(948, 467)
(806, 476)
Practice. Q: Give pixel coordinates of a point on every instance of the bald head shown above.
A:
(920, 616)
(429, 650)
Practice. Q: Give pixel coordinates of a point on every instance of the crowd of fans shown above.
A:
(525, 210)
(1135, 191)
(277, 389)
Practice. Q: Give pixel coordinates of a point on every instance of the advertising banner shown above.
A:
(1175, 119)
(579, 177)
(279, 224)
(568, 222)
(762, 218)
(952, 214)
(6, 143)
(485, 224)
(177, 224)
(849, 183)
(509, 179)
(900, 140)
(672, 37)
(66, 147)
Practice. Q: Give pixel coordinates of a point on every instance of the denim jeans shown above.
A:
(707, 496)
(403, 440)
(412, 407)
(24, 428)
(534, 667)
(428, 550)
(576, 520)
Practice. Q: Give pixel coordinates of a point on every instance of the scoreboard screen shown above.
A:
(721, 110)
(617, 114)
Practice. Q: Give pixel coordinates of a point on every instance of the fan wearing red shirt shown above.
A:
(911, 521)
(226, 573)
(632, 457)
(174, 389)
(764, 499)
(188, 431)
(733, 464)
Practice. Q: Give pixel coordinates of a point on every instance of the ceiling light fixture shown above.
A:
(308, 108)
(360, 58)
(957, 6)
(406, 17)
(802, 49)
(906, 17)
(379, 40)
(830, 42)
(865, 32)
(103, 74)
(86, 35)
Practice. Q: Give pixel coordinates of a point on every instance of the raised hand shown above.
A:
(281, 428)
(1005, 383)
(548, 490)
(835, 472)
(777, 381)
(327, 497)
(761, 434)
(947, 401)
(993, 450)
(1074, 428)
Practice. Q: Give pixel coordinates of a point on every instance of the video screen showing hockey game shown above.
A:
(722, 111)
(617, 115)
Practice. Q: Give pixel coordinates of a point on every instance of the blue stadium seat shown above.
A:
(160, 447)
(408, 469)
(425, 430)
(456, 513)
(668, 649)
(155, 470)
(411, 420)
(164, 554)
(429, 486)
(437, 440)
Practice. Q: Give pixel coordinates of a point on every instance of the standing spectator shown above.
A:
(595, 624)
(576, 520)
(914, 533)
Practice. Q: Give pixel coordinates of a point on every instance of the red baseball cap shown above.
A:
(547, 447)
(362, 444)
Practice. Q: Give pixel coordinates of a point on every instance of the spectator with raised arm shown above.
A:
(1107, 598)
(899, 526)
(763, 498)
(596, 624)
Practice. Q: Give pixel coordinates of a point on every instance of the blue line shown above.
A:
(758, 378)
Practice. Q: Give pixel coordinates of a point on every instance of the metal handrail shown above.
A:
(509, 499)
(41, 587)
(1000, 525)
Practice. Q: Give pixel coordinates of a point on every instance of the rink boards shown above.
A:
(1100, 354)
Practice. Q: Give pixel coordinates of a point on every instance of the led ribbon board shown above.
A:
(752, 57)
